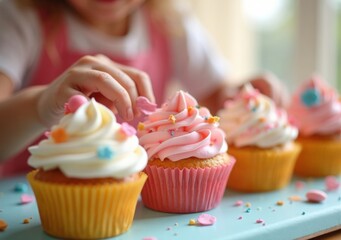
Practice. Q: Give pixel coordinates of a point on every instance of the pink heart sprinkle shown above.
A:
(206, 219)
(331, 183)
(25, 198)
(145, 106)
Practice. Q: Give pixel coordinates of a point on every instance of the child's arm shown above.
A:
(25, 115)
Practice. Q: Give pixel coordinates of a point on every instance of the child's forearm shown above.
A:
(19, 121)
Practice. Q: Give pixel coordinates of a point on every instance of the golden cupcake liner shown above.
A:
(259, 170)
(320, 157)
(85, 211)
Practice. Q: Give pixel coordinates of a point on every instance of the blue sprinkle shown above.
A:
(21, 187)
(105, 152)
(248, 210)
(311, 97)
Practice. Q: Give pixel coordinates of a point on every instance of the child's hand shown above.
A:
(269, 85)
(112, 84)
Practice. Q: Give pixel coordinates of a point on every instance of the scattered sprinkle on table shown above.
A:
(316, 196)
(299, 185)
(248, 204)
(238, 203)
(26, 221)
(295, 198)
(3, 225)
(206, 219)
(21, 187)
(259, 220)
(192, 222)
(331, 183)
(149, 238)
(280, 203)
(25, 198)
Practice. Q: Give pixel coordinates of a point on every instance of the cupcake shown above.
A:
(88, 173)
(188, 164)
(262, 141)
(316, 110)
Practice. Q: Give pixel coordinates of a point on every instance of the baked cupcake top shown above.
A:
(316, 108)
(252, 119)
(89, 143)
(181, 129)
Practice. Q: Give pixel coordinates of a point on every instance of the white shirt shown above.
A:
(196, 64)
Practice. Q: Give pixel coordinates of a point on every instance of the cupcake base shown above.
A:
(260, 170)
(320, 157)
(186, 186)
(86, 210)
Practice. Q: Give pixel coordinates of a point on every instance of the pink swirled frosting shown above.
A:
(252, 119)
(181, 129)
(316, 109)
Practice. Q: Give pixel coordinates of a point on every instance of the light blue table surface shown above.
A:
(289, 221)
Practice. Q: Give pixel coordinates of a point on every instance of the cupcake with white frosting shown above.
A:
(261, 139)
(88, 166)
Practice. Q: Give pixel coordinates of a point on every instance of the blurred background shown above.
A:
(291, 38)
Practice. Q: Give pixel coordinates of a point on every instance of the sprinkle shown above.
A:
(311, 97)
(104, 152)
(331, 183)
(192, 222)
(303, 213)
(176, 224)
(189, 109)
(206, 219)
(145, 106)
(259, 220)
(149, 238)
(3, 225)
(238, 203)
(74, 103)
(197, 106)
(213, 119)
(248, 204)
(280, 203)
(240, 217)
(21, 187)
(248, 210)
(261, 119)
(295, 198)
(26, 221)
(168, 228)
(172, 118)
(127, 130)
(140, 126)
(316, 196)
(59, 135)
(299, 185)
(25, 198)
(171, 132)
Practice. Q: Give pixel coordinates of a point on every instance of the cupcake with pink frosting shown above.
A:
(261, 139)
(316, 110)
(188, 162)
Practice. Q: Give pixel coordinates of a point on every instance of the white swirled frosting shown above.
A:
(89, 143)
(252, 119)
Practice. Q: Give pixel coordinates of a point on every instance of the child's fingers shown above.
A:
(94, 81)
(142, 81)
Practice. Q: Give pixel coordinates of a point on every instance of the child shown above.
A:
(49, 52)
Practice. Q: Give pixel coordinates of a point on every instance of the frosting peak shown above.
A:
(89, 143)
(181, 129)
(252, 119)
(316, 109)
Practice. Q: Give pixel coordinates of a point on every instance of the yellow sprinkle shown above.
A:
(189, 109)
(280, 203)
(140, 126)
(172, 118)
(26, 221)
(247, 204)
(295, 198)
(192, 222)
(213, 119)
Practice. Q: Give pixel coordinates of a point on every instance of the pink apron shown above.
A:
(155, 61)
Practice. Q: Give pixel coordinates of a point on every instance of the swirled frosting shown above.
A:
(181, 129)
(252, 119)
(89, 143)
(316, 109)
